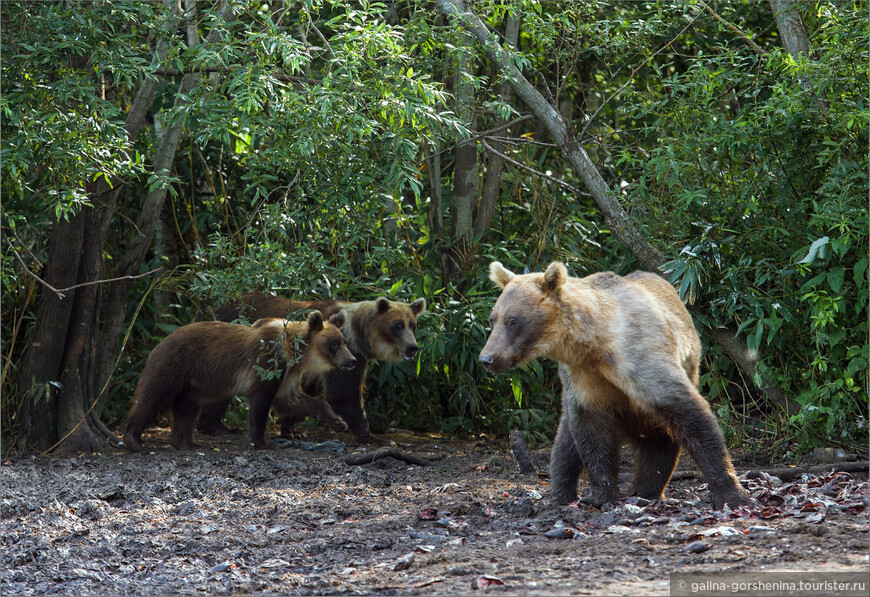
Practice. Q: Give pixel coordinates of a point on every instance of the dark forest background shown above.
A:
(186, 152)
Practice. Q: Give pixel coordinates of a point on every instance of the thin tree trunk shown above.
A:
(614, 215)
(494, 162)
(610, 207)
(436, 215)
(76, 399)
(465, 180)
(795, 40)
(791, 28)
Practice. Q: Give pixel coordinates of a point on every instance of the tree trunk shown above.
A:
(610, 207)
(791, 28)
(494, 162)
(465, 181)
(39, 379)
(795, 40)
(75, 429)
(436, 215)
(68, 359)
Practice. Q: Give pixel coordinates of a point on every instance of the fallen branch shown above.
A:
(789, 473)
(369, 457)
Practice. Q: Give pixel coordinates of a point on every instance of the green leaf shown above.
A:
(835, 278)
(817, 250)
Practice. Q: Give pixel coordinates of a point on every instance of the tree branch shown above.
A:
(174, 72)
(531, 170)
(61, 293)
(734, 28)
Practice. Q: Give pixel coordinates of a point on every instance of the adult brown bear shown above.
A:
(628, 359)
(212, 360)
(378, 330)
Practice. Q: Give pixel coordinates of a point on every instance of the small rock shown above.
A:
(560, 533)
(696, 547)
(759, 529)
(428, 537)
(404, 562)
(428, 514)
(222, 567)
(827, 455)
(486, 581)
(633, 511)
(722, 530)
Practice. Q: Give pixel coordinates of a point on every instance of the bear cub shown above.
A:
(378, 330)
(213, 361)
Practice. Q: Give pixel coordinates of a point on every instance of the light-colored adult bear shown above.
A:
(628, 359)
(213, 361)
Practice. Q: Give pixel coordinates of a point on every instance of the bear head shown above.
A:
(326, 346)
(526, 316)
(391, 328)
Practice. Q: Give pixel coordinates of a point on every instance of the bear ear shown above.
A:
(339, 319)
(315, 321)
(418, 306)
(382, 304)
(554, 277)
(499, 275)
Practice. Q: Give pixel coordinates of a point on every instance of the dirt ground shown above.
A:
(226, 519)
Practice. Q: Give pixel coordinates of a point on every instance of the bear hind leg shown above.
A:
(689, 417)
(184, 410)
(210, 418)
(153, 396)
(656, 457)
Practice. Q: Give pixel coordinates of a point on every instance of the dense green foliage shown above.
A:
(302, 171)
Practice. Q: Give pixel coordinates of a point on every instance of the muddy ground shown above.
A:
(225, 519)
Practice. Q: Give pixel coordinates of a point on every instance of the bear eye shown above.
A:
(333, 345)
(398, 327)
(413, 326)
(513, 322)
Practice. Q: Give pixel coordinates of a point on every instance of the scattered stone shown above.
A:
(404, 562)
(697, 547)
(560, 533)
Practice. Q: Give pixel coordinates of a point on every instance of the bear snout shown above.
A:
(492, 363)
(411, 351)
(349, 364)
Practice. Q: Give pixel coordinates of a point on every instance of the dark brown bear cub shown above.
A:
(212, 360)
(628, 359)
(381, 330)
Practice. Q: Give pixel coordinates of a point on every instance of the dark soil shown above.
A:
(226, 519)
